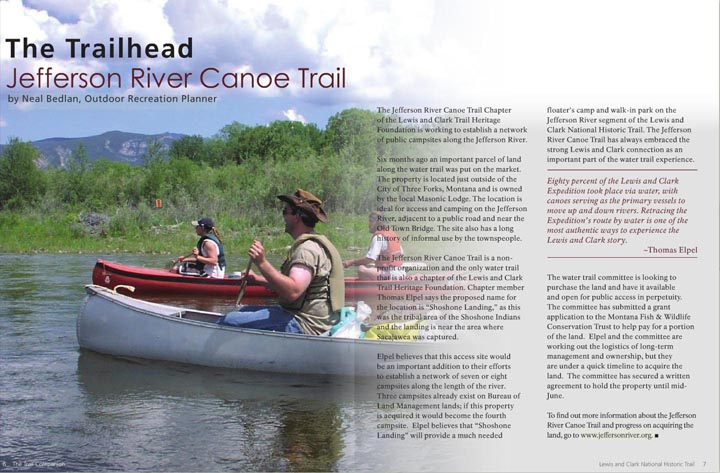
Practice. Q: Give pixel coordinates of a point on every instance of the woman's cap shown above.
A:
(205, 222)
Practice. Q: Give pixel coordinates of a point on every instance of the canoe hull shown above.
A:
(156, 281)
(119, 325)
(147, 281)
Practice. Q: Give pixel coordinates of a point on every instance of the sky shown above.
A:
(395, 53)
(373, 40)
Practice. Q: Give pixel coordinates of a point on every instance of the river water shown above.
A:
(66, 409)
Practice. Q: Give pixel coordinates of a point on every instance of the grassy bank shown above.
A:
(71, 233)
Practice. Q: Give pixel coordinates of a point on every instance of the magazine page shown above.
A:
(545, 176)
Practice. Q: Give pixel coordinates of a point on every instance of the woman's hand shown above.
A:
(251, 276)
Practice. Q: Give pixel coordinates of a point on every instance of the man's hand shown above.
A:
(257, 253)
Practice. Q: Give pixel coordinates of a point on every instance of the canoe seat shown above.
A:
(199, 316)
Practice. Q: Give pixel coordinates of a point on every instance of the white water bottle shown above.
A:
(363, 311)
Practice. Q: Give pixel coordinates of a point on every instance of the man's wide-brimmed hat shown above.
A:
(304, 200)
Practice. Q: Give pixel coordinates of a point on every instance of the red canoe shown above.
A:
(161, 281)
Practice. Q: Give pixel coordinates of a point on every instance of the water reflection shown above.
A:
(65, 409)
(106, 375)
(248, 420)
(311, 440)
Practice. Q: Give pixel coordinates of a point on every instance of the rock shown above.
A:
(93, 223)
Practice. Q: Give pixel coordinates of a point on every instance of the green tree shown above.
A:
(215, 151)
(246, 142)
(191, 147)
(237, 144)
(281, 139)
(154, 153)
(78, 186)
(354, 132)
(287, 139)
(114, 184)
(185, 177)
(155, 179)
(21, 182)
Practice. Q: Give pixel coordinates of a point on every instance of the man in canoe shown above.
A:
(384, 258)
(310, 283)
(208, 256)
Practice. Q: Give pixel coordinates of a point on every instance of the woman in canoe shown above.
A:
(384, 258)
(208, 257)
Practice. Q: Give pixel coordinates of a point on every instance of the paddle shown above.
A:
(175, 261)
(243, 284)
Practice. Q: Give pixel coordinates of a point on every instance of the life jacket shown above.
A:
(221, 250)
(392, 257)
(331, 287)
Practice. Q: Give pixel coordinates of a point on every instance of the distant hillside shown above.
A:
(113, 145)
